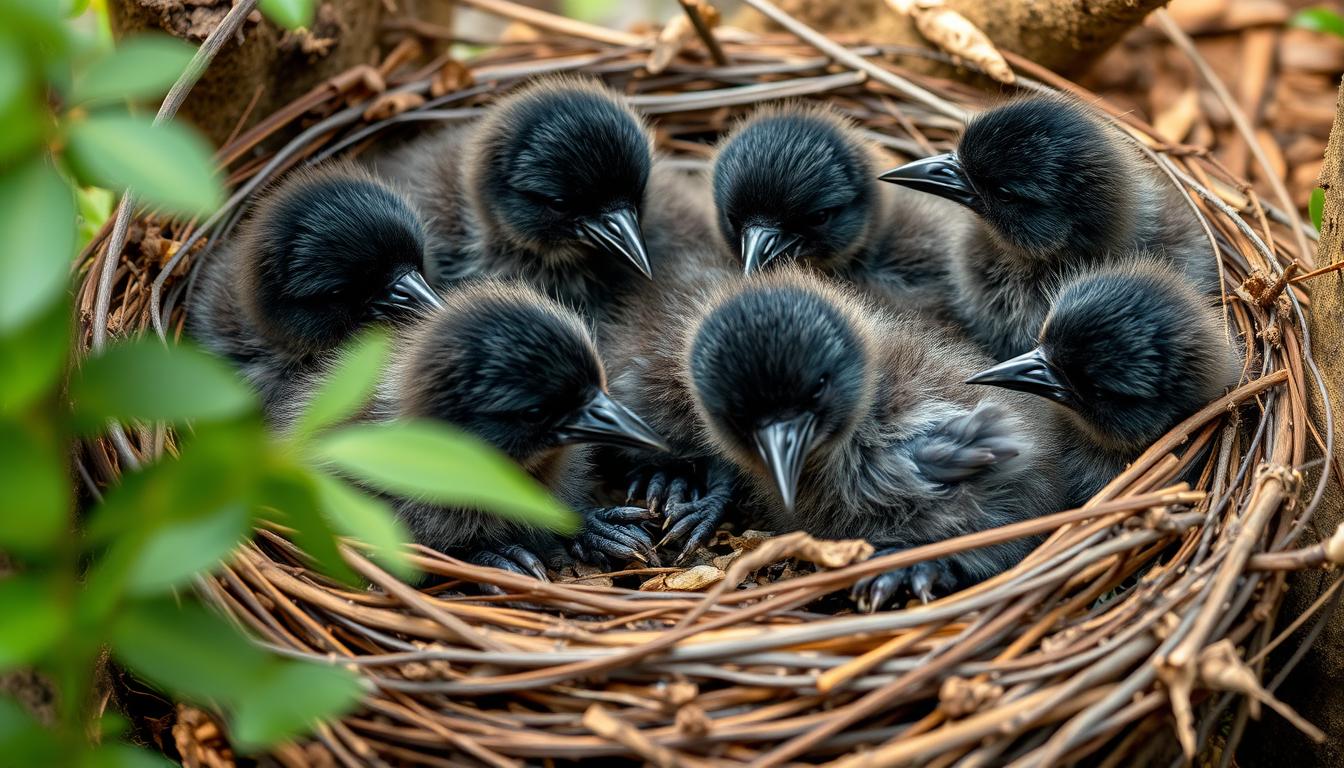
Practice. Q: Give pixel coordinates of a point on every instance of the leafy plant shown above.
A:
(115, 571)
(1319, 19)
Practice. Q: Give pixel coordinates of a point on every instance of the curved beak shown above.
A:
(941, 175)
(603, 420)
(784, 445)
(618, 232)
(1031, 372)
(407, 294)
(761, 244)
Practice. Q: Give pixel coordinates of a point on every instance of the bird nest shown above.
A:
(1145, 615)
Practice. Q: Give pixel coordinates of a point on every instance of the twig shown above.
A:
(706, 34)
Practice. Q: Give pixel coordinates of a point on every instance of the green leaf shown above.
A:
(142, 67)
(37, 25)
(37, 227)
(125, 756)
(348, 384)
(33, 619)
(1317, 207)
(145, 379)
(167, 165)
(291, 497)
(175, 553)
(23, 741)
(1318, 20)
(431, 461)
(370, 520)
(187, 650)
(36, 510)
(95, 207)
(293, 697)
(288, 13)
(22, 113)
(33, 357)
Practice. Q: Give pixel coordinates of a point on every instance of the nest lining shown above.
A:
(1133, 615)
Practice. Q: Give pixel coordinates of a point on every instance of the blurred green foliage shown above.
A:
(1316, 207)
(1320, 19)
(115, 570)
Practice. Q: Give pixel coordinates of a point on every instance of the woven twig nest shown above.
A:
(1145, 615)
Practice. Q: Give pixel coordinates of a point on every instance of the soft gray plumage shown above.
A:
(515, 369)
(1126, 352)
(530, 192)
(807, 178)
(891, 445)
(1056, 191)
(642, 343)
(319, 254)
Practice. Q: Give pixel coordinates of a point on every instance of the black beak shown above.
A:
(940, 175)
(761, 244)
(618, 232)
(784, 445)
(1031, 372)
(603, 420)
(407, 294)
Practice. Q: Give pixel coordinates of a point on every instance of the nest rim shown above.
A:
(1038, 671)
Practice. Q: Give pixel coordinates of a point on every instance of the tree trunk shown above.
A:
(280, 64)
(1064, 35)
(1316, 686)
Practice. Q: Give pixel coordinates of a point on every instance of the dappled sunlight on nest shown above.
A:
(1122, 617)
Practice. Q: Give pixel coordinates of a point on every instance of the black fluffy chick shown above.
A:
(850, 422)
(798, 182)
(1056, 191)
(548, 187)
(1127, 351)
(324, 253)
(644, 346)
(514, 368)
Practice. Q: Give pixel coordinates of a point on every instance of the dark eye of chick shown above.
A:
(533, 414)
(553, 203)
(818, 218)
(823, 384)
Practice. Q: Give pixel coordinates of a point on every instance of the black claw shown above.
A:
(633, 492)
(697, 539)
(530, 562)
(653, 493)
(620, 515)
(676, 492)
(926, 580)
(513, 558)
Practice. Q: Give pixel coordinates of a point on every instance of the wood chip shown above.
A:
(690, 580)
(1175, 121)
(392, 104)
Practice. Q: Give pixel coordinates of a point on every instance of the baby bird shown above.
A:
(690, 485)
(798, 182)
(849, 422)
(517, 370)
(325, 252)
(548, 188)
(1056, 191)
(1127, 351)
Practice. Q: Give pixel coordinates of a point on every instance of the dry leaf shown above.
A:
(453, 76)
(956, 35)
(690, 580)
(392, 104)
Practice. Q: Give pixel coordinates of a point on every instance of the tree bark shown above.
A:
(281, 64)
(1064, 35)
(1316, 686)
